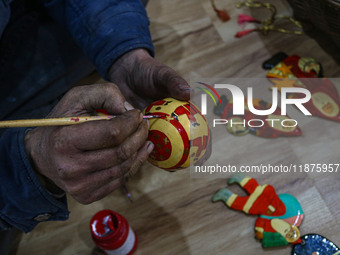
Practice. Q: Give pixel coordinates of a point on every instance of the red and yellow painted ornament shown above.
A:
(295, 71)
(180, 137)
(279, 215)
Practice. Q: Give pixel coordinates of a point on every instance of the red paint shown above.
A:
(185, 139)
(110, 231)
(159, 102)
(75, 119)
(102, 111)
(245, 32)
(163, 149)
(185, 109)
(201, 143)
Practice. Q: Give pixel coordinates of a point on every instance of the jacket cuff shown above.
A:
(24, 202)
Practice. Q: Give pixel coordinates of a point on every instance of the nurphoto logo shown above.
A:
(239, 104)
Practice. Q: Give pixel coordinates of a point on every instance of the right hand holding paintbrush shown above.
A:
(91, 159)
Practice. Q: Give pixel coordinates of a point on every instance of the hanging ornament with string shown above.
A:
(269, 24)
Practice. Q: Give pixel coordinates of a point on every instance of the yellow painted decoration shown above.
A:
(244, 181)
(308, 65)
(231, 200)
(252, 198)
(291, 233)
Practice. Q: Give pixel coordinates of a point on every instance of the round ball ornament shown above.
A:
(180, 136)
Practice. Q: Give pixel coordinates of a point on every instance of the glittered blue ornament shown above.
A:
(313, 244)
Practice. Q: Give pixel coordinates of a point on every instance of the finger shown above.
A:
(97, 194)
(109, 187)
(102, 183)
(132, 164)
(157, 81)
(137, 100)
(106, 158)
(80, 165)
(142, 156)
(85, 99)
(178, 88)
(94, 135)
(173, 85)
(106, 96)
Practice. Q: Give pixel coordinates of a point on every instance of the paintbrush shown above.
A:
(65, 121)
(126, 191)
(68, 121)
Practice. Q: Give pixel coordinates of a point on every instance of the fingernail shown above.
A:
(184, 87)
(128, 106)
(150, 147)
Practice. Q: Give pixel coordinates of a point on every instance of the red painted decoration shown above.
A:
(180, 137)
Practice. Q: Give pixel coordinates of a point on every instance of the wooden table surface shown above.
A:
(172, 213)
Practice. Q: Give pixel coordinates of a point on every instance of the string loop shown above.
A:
(268, 24)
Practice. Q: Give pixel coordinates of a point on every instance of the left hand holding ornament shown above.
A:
(143, 79)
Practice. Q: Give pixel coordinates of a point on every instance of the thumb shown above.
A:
(180, 90)
(100, 96)
(172, 83)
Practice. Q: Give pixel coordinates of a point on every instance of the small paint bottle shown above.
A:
(111, 233)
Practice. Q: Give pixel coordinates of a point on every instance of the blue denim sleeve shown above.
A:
(4, 14)
(23, 201)
(104, 29)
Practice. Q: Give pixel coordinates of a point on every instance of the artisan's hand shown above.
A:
(142, 79)
(89, 160)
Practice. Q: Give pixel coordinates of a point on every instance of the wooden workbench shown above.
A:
(171, 212)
